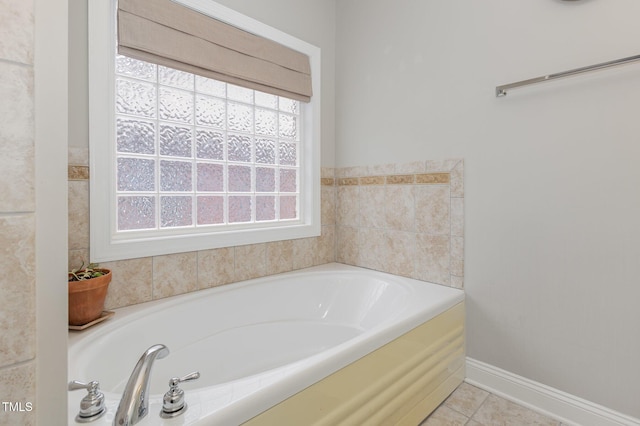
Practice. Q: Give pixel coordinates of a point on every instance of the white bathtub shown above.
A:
(256, 342)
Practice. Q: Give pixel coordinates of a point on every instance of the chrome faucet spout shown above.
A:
(135, 399)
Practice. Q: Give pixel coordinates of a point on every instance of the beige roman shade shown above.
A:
(169, 34)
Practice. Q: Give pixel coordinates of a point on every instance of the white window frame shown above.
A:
(108, 245)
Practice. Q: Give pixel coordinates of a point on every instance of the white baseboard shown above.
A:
(568, 409)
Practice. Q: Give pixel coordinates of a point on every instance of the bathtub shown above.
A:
(268, 348)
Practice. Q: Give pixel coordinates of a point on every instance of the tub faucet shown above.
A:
(135, 399)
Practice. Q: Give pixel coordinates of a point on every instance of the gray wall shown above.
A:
(551, 176)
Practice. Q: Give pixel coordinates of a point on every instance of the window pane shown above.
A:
(266, 122)
(135, 98)
(210, 111)
(288, 154)
(240, 117)
(288, 180)
(266, 100)
(175, 176)
(175, 141)
(265, 208)
(210, 177)
(265, 179)
(239, 93)
(176, 105)
(136, 213)
(265, 151)
(239, 178)
(134, 68)
(239, 148)
(171, 77)
(135, 136)
(211, 87)
(288, 126)
(175, 211)
(209, 144)
(210, 210)
(289, 105)
(288, 207)
(136, 174)
(214, 139)
(239, 209)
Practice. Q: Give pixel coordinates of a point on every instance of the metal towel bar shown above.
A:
(502, 90)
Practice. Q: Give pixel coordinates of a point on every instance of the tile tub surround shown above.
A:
(405, 219)
(169, 275)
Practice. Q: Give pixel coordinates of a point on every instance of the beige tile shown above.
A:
(326, 246)
(466, 399)
(379, 169)
(17, 180)
(251, 261)
(435, 166)
(457, 180)
(412, 167)
(347, 172)
(17, 288)
(499, 411)
(457, 282)
(400, 179)
(131, 282)
(18, 384)
(347, 209)
(400, 253)
(327, 172)
(433, 258)
(78, 156)
(16, 31)
(328, 205)
(78, 203)
(372, 248)
(216, 267)
(457, 217)
(304, 252)
(347, 245)
(348, 181)
(400, 207)
(78, 172)
(433, 214)
(457, 256)
(174, 274)
(371, 180)
(445, 416)
(372, 207)
(77, 257)
(279, 257)
(473, 423)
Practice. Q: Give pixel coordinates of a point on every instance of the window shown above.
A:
(182, 162)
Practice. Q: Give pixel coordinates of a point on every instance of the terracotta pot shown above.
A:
(86, 298)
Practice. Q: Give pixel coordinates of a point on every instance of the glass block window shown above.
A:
(192, 152)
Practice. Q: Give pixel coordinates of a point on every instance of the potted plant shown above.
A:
(87, 291)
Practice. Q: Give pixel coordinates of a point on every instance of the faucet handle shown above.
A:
(173, 403)
(92, 405)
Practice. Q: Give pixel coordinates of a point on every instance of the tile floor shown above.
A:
(472, 406)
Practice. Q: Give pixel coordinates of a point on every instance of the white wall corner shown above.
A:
(567, 408)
